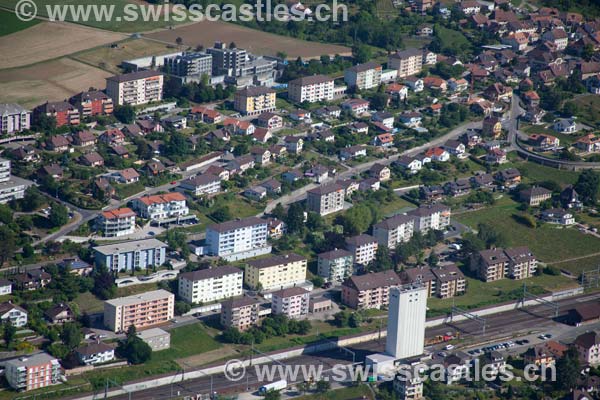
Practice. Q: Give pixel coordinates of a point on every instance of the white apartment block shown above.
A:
(407, 62)
(161, 206)
(311, 88)
(364, 248)
(201, 184)
(95, 353)
(208, 285)
(276, 272)
(11, 187)
(115, 223)
(326, 199)
(131, 255)
(140, 310)
(33, 371)
(135, 88)
(14, 119)
(238, 240)
(435, 216)
(292, 302)
(335, 265)
(394, 230)
(363, 76)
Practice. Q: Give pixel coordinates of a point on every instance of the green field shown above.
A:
(548, 243)
(118, 21)
(576, 267)
(480, 293)
(349, 393)
(9, 23)
(588, 109)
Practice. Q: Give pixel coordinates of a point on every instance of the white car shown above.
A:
(449, 347)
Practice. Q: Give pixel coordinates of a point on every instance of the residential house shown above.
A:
(498, 92)
(58, 143)
(492, 127)
(496, 156)
(459, 187)
(83, 138)
(256, 193)
(509, 178)
(126, 176)
(14, 314)
(207, 115)
(356, 106)
(386, 118)
(384, 140)
(31, 280)
(414, 83)
(294, 144)
(409, 163)
(431, 193)
(261, 155)
(411, 119)
(92, 159)
(589, 143)
(543, 142)
(348, 153)
(269, 120)
(262, 135)
(438, 154)
(569, 198)
(359, 127)
(380, 171)
(558, 37)
(59, 314)
(455, 148)
(397, 91)
(95, 353)
(558, 216)
(112, 137)
(534, 196)
(435, 83)
(588, 347)
(565, 125)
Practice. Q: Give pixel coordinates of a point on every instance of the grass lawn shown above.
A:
(185, 341)
(349, 393)
(576, 267)
(126, 190)
(535, 172)
(9, 23)
(548, 243)
(480, 293)
(135, 289)
(396, 206)
(89, 303)
(588, 109)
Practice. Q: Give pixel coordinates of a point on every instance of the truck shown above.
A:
(277, 385)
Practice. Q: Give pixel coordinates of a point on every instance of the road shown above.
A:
(526, 322)
(299, 194)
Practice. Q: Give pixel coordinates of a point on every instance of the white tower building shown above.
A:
(406, 321)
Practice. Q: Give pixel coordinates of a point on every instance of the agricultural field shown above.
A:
(110, 57)
(549, 243)
(9, 23)
(47, 41)
(207, 32)
(117, 23)
(48, 81)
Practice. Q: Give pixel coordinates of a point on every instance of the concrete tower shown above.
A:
(406, 321)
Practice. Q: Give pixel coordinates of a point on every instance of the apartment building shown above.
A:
(292, 302)
(535, 196)
(311, 88)
(326, 199)
(226, 61)
(521, 262)
(161, 207)
(130, 255)
(335, 265)
(394, 230)
(205, 184)
(363, 76)
(92, 103)
(207, 285)
(14, 119)
(141, 310)
(407, 62)
(492, 265)
(450, 281)
(363, 247)
(276, 272)
(240, 313)
(135, 88)
(115, 223)
(370, 290)
(239, 239)
(189, 65)
(588, 348)
(435, 216)
(33, 371)
(11, 187)
(254, 100)
(63, 112)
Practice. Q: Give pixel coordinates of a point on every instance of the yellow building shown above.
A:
(276, 272)
(255, 100)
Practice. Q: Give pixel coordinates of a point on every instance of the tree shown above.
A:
(357, 219)
(272, 395)
(33, 199)
(379, 101)
(179, 41)
(568, 369)
(318, 281)
(104, 283)
(362, 53)
(59, 215)
(323, 386)
(341, 319)
(295, 218)
(182, 307)
(221, 214)
(71, 335)
(28, 250)
(8, 333)
(355, 320)
(278, 212)
(433, 259)
(587, 186)
(134, 349)
(303, 387)
(125, 113)
(383, 260)
(44, 123)
(8, 244)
